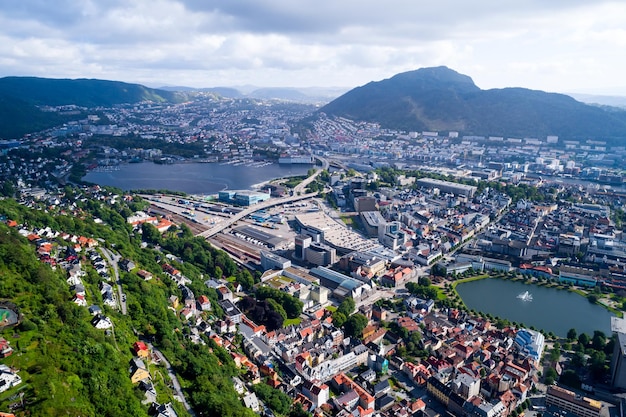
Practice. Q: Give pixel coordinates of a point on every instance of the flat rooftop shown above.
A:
(335, 234)
(618, 325)
(260, 235)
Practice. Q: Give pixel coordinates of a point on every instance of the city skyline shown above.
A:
(561, 46)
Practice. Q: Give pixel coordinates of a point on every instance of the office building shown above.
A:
(302, 243)
(569, 401)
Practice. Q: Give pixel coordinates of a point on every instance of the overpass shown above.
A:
(302, 186)
(297, 195)
(260, 206)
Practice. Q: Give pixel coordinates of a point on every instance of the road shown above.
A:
(113, 260)
(170, 371)
(260, 206)
(298, 189)
(297, 195)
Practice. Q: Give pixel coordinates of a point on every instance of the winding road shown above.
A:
(170, 371)
(113, 260)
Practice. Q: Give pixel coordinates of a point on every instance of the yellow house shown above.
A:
(138, 370)
(138, 375)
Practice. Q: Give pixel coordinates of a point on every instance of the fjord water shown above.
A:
(192, 178)
(551, 309)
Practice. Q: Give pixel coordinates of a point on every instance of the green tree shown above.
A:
(354, 325)
(571, 334)
(275, 399)
(339, 318)
(347, 306)
(598, 341)
(424, 281)
(570, 378)
(297, 411)
(583, 339)
(273, 304)
(550, 376)
(598, 364)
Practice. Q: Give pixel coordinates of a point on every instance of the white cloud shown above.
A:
(560, 45)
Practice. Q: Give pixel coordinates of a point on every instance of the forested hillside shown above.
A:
(69, 367)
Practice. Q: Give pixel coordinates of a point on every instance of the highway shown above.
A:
(260, 206)
(298, 189)
(297, 195)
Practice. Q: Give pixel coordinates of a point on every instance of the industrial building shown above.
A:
(365, 203)
(324, 229)
(447, 186)
(256, 235)
(242, 197)
(391, 235)
(341, 285)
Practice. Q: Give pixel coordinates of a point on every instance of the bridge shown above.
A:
(259, 206)
(297, 195)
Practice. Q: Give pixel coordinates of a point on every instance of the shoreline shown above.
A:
(190, 178)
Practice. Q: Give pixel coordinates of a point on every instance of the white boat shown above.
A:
(525, 296)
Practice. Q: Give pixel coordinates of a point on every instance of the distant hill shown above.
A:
(600, 100)
(82, 92)
(268, 93)
(228, 92)
(20, 96)
(18, 118)
(441, 99)
(310, 95)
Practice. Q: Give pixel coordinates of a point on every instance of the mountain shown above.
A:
(81, 92)
(600, 100)
(267, 93)
(225, 92)
(18, 118)
(228, 92)
(308, 95)
(441, 99)
(20, 96)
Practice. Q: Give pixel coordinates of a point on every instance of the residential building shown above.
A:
(231, 311)
(251, 401)
(8, 378)
(141, 350)
(138, 370)
(318, 393)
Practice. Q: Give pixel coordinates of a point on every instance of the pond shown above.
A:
(550, 309)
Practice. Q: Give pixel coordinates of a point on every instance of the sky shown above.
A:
(550, 45)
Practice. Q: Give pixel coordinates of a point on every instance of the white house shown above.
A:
(8, 378)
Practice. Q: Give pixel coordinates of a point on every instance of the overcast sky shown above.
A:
(552, 45)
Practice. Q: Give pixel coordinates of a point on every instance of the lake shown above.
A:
(192, 178)
(552, 310)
